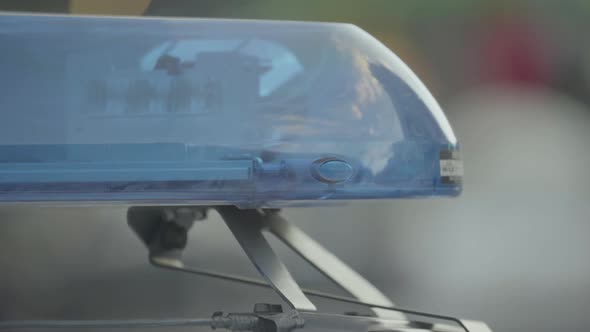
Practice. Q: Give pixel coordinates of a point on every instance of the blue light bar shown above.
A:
(201, 111)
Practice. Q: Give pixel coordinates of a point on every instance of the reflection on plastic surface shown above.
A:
(212, 111)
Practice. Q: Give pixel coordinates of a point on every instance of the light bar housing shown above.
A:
(211, 111)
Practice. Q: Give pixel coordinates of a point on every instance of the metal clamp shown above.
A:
(163, 230)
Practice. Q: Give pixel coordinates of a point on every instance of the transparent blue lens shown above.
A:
(251, 113)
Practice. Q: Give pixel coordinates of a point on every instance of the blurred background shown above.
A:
(513, 250)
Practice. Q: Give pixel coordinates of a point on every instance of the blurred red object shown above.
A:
(513, 51)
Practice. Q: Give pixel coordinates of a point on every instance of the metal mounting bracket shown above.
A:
(163, 230)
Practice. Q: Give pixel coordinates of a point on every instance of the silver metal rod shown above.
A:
(247, 227)
(329, 264)
(312, 292)
(130, 323)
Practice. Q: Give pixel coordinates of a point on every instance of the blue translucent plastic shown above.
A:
(195, 111)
